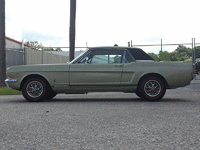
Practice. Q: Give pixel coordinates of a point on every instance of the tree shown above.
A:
(182, 58)
(154, 56)
(183, 51)
(174, 56)
(38, 45)
(34, 44)
(53, 49)
(165, 56)
(117, 59)
(197, 51)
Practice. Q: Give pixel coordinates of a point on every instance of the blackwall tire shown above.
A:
(35, 90)
(152, 89)
(51, 94)
(138, 93)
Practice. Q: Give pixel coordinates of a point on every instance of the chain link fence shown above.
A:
(45, 55)
(159, 49)
(15, 57)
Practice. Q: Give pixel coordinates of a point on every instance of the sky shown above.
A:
(105, 22)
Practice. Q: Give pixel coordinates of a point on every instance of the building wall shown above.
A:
(12, 44)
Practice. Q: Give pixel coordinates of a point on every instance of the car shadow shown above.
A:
(92, 99)
(164, 100)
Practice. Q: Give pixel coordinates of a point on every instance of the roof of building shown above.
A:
(17, 41)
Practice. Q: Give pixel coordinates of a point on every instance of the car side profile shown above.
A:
(101, 69)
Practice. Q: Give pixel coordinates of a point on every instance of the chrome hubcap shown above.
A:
(152, 88)
(34, 89)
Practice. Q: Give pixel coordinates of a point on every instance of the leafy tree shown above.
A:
(154, 56)
(182, 58)
(34, 44)
(117, 59)
(183, 51)
(53, 49)
(197, 51)
(164, 56)
(174, 56)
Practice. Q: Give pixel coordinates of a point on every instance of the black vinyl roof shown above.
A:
(137, 53)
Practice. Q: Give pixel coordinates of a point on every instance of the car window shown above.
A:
(139, 54)
(84, 59)
(128, 58)
(75, 59)
(106, 57)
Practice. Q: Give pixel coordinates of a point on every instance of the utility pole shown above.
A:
(72, 28)
(161, 51)
(2, 44)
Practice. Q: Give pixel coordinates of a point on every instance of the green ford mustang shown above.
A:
(101, 69)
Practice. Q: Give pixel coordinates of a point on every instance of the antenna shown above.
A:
(86, 44)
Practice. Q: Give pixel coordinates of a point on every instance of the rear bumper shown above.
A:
(10, 81)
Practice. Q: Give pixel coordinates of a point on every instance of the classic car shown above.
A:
(101, 69)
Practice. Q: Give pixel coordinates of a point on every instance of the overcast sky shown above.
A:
(104, 22)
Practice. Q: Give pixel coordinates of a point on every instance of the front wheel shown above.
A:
(35, 89)
(51, 94)
(137, 93)
(152, 89)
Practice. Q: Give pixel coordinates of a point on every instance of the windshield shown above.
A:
(77, 57)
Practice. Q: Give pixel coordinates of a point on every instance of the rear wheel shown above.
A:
(152, 89)
(35, 89)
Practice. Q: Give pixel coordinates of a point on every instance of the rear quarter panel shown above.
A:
(176, 74)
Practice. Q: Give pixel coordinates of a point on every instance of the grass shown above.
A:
(7, 91)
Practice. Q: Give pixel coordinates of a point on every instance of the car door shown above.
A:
(98, 67)
(129, 69)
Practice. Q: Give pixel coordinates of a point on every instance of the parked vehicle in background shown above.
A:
(197, 66)
(101, 69)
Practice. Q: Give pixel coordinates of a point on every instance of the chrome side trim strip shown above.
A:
(7, 81)
(10, 80)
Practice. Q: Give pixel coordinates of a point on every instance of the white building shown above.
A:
(14, 44)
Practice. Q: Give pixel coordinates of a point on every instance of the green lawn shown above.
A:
(7, 91)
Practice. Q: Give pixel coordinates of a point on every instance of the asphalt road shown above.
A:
(102, 121)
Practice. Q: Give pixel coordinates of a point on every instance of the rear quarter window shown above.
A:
(139, 54)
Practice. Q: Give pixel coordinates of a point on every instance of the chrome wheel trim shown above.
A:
(34, 89)
(152, 88)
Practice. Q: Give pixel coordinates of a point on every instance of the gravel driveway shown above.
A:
(102, 121)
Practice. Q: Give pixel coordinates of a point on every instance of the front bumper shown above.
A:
(10, 81)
